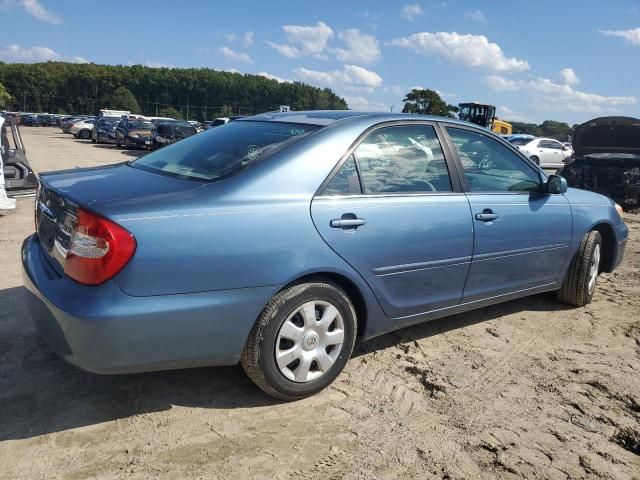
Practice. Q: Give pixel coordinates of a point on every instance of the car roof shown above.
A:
(327, 117)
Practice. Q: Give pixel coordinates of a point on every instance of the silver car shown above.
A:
(546, 152)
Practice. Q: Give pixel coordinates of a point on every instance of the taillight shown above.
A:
(98, 250)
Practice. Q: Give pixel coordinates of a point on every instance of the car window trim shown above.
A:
(465, 186)
(454, 178)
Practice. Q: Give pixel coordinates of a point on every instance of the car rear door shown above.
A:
(551, 152)
(392, 210)
(521, 234)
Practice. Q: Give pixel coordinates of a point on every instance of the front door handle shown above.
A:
(348, 222)
(487, 215)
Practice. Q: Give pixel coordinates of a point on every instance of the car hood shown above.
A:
(609, 135)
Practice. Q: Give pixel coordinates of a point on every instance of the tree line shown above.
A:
(194, 93)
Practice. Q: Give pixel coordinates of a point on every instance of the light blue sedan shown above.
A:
(279, 240)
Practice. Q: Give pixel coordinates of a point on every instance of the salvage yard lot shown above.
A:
(529, 388)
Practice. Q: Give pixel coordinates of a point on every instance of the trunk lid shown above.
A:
(607, 135)
(103, 190)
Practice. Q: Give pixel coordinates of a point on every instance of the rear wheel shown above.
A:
(580, 283)
(301, 341)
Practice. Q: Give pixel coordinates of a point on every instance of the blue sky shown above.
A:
(568, 60)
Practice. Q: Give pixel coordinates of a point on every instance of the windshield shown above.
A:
(140, 124)
(520, 141)
(223, 150)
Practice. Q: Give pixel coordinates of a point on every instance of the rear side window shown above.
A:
(223, 150)
(490, 166)
(403, 159)
(346, 181)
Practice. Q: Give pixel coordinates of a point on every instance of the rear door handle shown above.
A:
(487, 215)
(348, 222)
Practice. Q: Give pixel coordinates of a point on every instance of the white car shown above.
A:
(546, 152)
(83, 128)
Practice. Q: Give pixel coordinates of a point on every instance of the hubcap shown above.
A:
(593, 269)
(309, 341)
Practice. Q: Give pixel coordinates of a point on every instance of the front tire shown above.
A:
(535, 160)
(580, 283)
(301, 341)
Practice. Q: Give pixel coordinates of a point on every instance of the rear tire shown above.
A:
(301, 341)
(579, 285)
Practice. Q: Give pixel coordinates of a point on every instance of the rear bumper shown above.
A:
(103, 330)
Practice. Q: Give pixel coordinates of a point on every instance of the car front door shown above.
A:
(396, 215)
(551, 152)
(521, 234)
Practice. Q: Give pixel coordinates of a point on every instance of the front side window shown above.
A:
(224, 150)
(490, 166)
(403, 159)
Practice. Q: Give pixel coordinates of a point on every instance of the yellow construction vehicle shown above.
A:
(485, 116)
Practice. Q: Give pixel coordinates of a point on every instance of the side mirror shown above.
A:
(556, 184)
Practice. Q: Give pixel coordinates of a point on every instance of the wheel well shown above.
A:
(608, 245)
(349, 287)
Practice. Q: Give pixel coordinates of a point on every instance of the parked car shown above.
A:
(546, 152)
(607, 159)
(68, 123)
(30, 121)
(104, 130)
(132, 133)
(82, 128)
(278, 240)
(167, 132)
(222, 121)
(49, 120)
(18, 175)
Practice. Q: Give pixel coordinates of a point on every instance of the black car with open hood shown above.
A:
(607, 159)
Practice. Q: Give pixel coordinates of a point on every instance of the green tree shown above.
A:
(427, 102)
(170, 112)
(123, 99)
(5, 97)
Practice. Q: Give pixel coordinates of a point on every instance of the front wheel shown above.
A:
(580, 283)
(535, 160)
(301, 341)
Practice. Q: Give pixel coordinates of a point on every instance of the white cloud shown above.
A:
(359, 47)
(304, 40)
(270, 76)
(467, 50)
(362, 104)
(501, 84)
(234, 56)
(230, 37)
(475, 15)
(411, 11)
(351, 76)
(248, 38)
(15, 53)
(151, 64)
(33, 8)
(569, 76)
(548, 95)
(632, 35)
(506, 113)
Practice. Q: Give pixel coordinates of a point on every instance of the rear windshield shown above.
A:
(223, 150)
(520, 141)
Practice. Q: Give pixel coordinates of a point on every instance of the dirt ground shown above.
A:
(529, 388)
